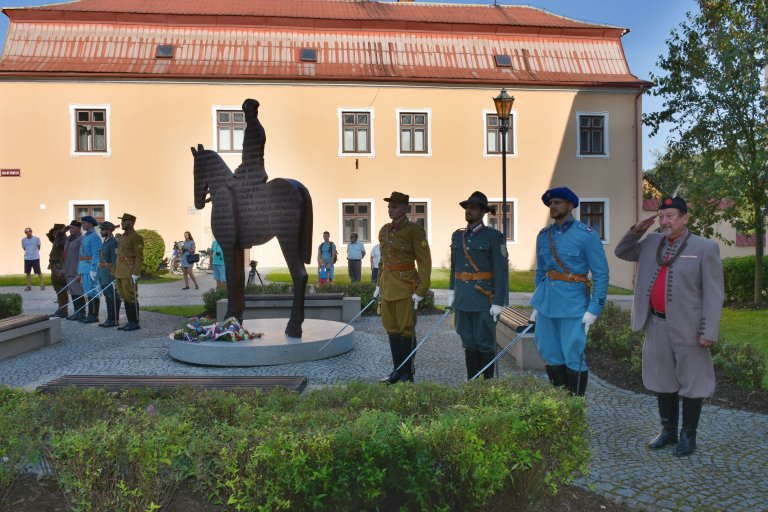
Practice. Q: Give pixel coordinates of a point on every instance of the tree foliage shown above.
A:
(714, 94)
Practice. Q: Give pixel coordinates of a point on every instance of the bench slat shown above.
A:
(166, 382)
(12, 322)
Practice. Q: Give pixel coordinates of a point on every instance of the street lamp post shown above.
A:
(503, 103)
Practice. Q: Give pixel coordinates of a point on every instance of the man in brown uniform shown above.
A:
(400, 284)
(678, 299)
(58, 237)
(130, 257)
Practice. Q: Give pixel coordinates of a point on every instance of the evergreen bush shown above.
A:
(10, 304)
(739, 277)
(742, 363)
(154, 251)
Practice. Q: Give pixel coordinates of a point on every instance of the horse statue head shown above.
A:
(210, 172)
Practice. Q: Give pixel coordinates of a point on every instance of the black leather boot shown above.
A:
(133, 320)
(93, 312)
(77, 303)
(483, 359)
(471, 358)
(394, 347)
(109, 302)
(62, 310)
(557, 375)
(577, 382)
(691, 413)
(408, 370)
(669, 411)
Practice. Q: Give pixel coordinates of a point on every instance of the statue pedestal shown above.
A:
(321, 306)
(274, 347)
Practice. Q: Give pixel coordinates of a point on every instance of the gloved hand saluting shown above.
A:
(495, 312)
(587, 320)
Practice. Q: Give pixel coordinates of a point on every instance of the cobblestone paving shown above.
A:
(729, 471)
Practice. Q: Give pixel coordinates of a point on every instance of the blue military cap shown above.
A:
(561, 193)
(90, 220)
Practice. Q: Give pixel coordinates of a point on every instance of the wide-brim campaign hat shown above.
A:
(674, 202)
(479, 199)
(107, 225)
(560, 193)
(127, 216)
(76, 223)
(90, 220)
(58, 227)
(397, 197)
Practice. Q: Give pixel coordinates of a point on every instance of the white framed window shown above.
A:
(592, 129)
(97, 208)
(89, 130)
(595, 212)
(355, 131)
(492, 134)
(414, 132)
(495, 221)
(420, 212)
(357, 215)
(228, 128)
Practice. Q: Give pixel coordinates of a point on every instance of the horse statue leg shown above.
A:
(299, 279)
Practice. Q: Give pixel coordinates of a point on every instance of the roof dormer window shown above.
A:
(164, 51)
(503, 61)
(308, 55)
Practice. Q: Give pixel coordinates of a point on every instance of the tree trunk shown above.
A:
(759, 252)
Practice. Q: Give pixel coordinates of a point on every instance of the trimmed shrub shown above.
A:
(212, 296)
(742, 363)
(10, 304)
(19, 436)
(739, 277)
(612, 334)
(154, 250)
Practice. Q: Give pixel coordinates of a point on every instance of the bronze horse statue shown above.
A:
(248, 210)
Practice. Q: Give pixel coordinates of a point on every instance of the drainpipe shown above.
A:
(638, 162)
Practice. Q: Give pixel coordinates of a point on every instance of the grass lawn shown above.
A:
(182, 311)
(519, 281)
(21, 279)
(745, 326)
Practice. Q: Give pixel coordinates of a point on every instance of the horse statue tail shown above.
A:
(305, 220)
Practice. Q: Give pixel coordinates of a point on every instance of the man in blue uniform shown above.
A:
(566, 301)
(108, 256)
(88, 267)
(479, 283)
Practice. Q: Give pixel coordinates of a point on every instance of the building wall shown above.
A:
(152, 126)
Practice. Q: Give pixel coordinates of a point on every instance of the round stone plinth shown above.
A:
(274, 347)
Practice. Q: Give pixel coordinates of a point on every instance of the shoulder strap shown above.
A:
(554, 253)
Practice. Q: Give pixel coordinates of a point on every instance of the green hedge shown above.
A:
(357, 447)
(739, 276)
(154, 251)
(10, 304)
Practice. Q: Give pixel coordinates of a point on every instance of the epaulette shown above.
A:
(584, 227)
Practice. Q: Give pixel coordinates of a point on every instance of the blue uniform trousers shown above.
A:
(561, 341)
(90, 287)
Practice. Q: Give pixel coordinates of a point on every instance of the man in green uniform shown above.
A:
(130, 257)
(479, 283)
(400, 284)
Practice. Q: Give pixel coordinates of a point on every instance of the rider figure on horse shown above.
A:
(254, 139)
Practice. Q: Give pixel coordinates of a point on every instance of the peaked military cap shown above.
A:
(127, 216)
(478, 198)
(560, 193)
(397, 197)
(674, 202)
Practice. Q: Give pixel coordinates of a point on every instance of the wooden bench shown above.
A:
(163, 383)
(319, 306)
(513, 321)
(22, 333)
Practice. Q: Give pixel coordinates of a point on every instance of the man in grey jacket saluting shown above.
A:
(678, 298)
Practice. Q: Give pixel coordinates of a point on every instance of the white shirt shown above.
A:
(31, 246)
(376, 255)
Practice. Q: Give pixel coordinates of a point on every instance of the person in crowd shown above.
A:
(88, 267)
(130, 258)
(217, 262)
(678, 300)
(187, 250)
(71, 262)
(58, 237)
(479, 284)
(404, 280)
(107, 261)
(567, 301)
(31, 246)
(327, 256)
(375, 259)
(355, 255)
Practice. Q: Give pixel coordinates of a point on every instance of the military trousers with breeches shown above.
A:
(125, 287)
(476, 329)
(397, 316)
(561, 341)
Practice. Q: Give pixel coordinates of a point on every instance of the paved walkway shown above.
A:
(728, 472)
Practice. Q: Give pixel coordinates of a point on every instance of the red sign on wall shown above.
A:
(10, 172)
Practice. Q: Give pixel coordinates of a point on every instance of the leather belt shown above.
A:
(86, 258)
(127, 259)
(657, 313)
(104, 264)
(571, 278)
(473, 276)
(348, 259)
(399, 267)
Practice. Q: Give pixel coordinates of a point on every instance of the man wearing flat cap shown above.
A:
(58, 237)
(479, 283)
(71, 264)
(106, 279)
(88, 267)
(404, 279)
(130, 257)
(571, 287)
(678, 300)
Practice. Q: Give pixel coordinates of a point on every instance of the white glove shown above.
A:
(376, 292)
(416, 300)
(532, 319)
(450, 298)
(93, 275)
(495, 312)
(587, 320)
(134, 277)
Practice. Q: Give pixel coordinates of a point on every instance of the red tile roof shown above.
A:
(99, 38)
